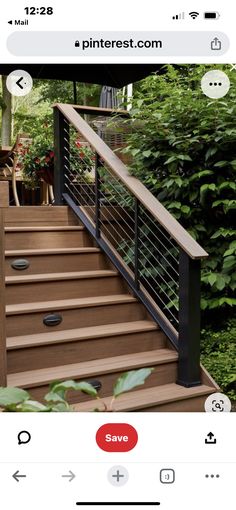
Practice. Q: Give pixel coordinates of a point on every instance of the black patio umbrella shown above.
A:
(113, 75)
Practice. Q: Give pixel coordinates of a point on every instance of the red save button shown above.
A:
(116, 437)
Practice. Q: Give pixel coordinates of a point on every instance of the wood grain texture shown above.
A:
(66, 285)
(47, 351)
(56, 261)
(172, 396)
(97, 312)
(4, 194)
(51, 238)
(3, 366)
(42, 377)
(39, 216)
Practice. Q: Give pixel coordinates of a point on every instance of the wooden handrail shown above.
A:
(104, 112)
(117, 167)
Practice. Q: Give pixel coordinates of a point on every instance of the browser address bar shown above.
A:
(117, 44)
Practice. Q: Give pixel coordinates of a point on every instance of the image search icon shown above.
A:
(24, 437)
(218, 403)
(215, 84)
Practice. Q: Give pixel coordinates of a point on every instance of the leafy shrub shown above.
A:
(184, 151)
(218, 350)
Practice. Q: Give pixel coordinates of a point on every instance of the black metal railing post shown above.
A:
(136, 243)
(61, 158)
(97, 197)
(189, 321)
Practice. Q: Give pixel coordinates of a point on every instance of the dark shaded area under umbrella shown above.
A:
(113, 75)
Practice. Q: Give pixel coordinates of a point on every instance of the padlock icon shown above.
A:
(77, 44)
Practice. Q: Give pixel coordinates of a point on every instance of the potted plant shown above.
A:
(38, 163)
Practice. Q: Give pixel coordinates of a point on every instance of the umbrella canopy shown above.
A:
(113, 75)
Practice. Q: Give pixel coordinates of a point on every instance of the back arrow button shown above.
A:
(19, 82)
(17, 475)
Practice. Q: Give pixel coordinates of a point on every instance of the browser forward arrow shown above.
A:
(71, 476)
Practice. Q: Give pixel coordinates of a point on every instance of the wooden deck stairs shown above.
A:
(71, 315)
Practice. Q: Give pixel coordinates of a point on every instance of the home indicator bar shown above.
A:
(120, 503)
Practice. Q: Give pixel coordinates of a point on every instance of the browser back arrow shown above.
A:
(19, 82)
(16, 476)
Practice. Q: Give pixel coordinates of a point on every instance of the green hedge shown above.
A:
(184, 150)
(218, 350)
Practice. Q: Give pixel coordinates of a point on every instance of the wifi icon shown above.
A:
(194, 14)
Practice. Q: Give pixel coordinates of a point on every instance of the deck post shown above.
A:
(97, 197)
(61, 151)
(189, 321)
(3, 354)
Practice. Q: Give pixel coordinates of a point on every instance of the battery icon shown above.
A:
(211, 15)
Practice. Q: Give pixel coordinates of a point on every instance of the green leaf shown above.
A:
(61, 407)
(10, 396)
(211, 152)
(130, 380)
(185, 209)
(229, 262)
(212, 278)
(198, 175)
(147, 154)
(53, 397)
(31, 406)
(184, 157)
(140, 102)
(170, 160)
(221, 164)
(220, 282)
(62, 387)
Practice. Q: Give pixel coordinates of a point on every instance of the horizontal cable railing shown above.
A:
(154, 253)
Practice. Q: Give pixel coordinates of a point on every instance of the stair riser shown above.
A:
(190, 405)
(163, 374)
(63, 289)
(41, 240)
(39, 216)
(57, 263)
(27, 324)
(19, 360)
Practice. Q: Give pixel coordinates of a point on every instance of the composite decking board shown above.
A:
(88, 333)
(144, 398)
(65, 304)
(72, 275)
(53, 228)
(52, 251)
(86, 369)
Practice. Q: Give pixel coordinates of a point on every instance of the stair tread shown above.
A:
(53, 228)
(72, 275)
(91, 368)
(144, 398)
(77, 334)
(47, 306)
(51, 251)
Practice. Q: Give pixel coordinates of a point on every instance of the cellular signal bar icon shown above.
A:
(181, 15)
